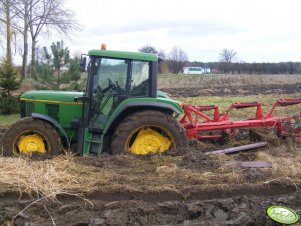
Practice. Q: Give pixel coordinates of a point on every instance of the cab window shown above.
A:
(140, 79)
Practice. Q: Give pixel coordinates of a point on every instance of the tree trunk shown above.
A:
(58, 75)
(25, 42)
(25, 55)
(33, 53)
(8, 32)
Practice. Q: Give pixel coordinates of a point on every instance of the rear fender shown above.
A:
(55, 124)
(123, 110)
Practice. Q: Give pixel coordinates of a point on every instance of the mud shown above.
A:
(240, 210)
(234, 90)
(214, 203)
(182, 199)
(194, 159)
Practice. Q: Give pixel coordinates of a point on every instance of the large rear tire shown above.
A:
(148, 132)
(30, 136)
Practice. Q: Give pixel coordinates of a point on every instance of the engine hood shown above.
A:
(50, 95)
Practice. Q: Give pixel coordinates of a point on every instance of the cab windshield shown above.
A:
(126, 77)
(110, 73)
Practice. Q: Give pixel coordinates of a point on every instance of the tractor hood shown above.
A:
(64, 96)
(50, 96)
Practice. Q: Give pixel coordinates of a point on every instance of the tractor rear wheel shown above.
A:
(148, 132)
(28, 136)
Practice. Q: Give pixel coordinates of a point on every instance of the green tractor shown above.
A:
(120, 111)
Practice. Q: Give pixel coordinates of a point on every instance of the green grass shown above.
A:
(8, 119)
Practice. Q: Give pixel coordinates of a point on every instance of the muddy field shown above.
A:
(153, 195)
(182, 187)
(235, 90)
(239, 210)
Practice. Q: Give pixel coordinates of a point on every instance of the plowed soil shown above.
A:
(234, 90)
(239, 210)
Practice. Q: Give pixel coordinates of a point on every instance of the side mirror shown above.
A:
(83, 62)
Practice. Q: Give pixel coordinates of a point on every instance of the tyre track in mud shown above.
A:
(239, 209)
(191, 193)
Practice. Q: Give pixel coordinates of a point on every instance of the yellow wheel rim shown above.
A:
(149, 141)
(31, 143)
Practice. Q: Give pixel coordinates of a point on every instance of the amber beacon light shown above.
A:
(103, 46)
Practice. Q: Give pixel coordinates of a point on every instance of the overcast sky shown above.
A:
(258, 30)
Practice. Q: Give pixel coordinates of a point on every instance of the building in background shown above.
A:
(196, 70)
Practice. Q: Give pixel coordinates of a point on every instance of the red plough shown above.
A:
(202, 126)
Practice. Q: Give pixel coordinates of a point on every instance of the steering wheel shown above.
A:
(100, 92)
(114, 86)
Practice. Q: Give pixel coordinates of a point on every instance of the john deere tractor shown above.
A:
(119, 111)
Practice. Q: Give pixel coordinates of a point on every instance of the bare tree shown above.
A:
(227, 55)
(6, 18)
(21, 9)
(47, 15)
(2, 30)
(36, 16)
(176, 60)
(161, 54)
(148, 49)
(153, 50)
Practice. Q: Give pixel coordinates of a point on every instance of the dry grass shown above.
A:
(77, 175)
(43, 178)
(63, 175)
(211, 81)
(286, 160)
(49, 178)
(66, 175)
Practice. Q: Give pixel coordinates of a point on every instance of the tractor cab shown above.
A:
(113, 77)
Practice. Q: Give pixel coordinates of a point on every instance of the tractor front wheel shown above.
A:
(28, 136)
(148, 132)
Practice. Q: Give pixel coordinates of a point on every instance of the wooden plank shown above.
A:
(249, 164)
(256, 164)
(236, 149)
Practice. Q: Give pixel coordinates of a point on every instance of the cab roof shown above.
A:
(123, 55)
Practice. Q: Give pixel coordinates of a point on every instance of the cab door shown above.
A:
(110, 82)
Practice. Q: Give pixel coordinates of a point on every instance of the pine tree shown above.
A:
(8, 78)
